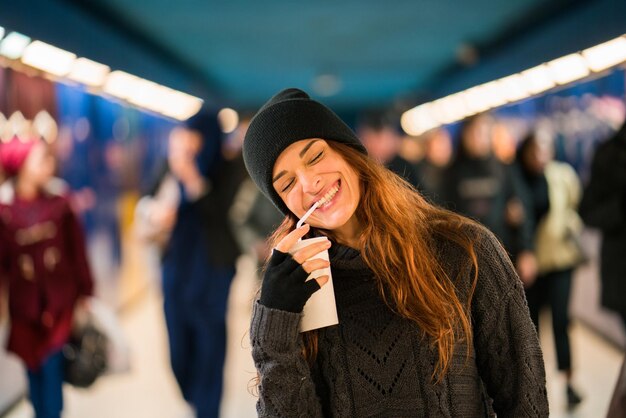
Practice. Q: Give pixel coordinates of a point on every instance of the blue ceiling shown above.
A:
(371, 53)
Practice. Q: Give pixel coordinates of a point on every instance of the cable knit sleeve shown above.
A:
(509, 356)
(286, 388)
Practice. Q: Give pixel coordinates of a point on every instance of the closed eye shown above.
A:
(316, 158)
(287, 186)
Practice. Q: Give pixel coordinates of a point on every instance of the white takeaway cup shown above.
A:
(320, 310)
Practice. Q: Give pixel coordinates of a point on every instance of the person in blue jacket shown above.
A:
(198, 256)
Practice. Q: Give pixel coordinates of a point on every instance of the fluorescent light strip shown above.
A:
(182, 105)
(568, 69)
(145, 94)
(419, 120)
(152, 96)
(515, 87)
(48, 58)
(89, 72)
(13, 45)
(606, 55)
(537, 79)
(122, 85)
(495, 95)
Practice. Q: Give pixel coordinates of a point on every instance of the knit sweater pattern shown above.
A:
(375, 363)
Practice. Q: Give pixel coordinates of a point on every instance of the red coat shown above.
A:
(43, 260)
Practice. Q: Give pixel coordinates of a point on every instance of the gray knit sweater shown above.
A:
(377, 364)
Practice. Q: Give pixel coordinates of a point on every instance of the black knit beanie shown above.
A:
(288, 117)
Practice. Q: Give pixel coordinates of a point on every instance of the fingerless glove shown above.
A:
(284, 284)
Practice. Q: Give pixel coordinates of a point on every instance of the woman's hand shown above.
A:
(526, 265)
(284, 285)
(514, 213)
(82, 309)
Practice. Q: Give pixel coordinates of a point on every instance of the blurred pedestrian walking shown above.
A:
(603, 206)
(43, 267)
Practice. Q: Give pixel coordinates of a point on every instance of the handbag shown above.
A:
(85, 356)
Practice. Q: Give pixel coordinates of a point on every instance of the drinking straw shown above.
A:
(307, 214)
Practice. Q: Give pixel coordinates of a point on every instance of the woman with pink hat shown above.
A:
(43, 268)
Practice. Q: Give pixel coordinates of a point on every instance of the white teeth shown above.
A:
(328, 196)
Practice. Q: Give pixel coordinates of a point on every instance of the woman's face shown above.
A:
(39, 165)
(309, 171)
(477, 138)
(538, 154)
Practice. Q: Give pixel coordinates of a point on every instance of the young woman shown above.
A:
(555, 190)
(432, 316)
(43, 266)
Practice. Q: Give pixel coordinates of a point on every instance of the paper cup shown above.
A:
(320, 310)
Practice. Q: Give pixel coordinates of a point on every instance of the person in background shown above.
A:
(556, 191)
(432, 316)
(380, 135)
(480, 186)
(188, 214)
(253, 216)
(503, 143)
(432, 168)
(43, 267)
(603, 206)
(412, 149)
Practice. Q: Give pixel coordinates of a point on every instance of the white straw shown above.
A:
(307, 214)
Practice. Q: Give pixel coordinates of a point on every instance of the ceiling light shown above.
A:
(160, 98)
(228, 119)
(167, 101)
(492, 94)
(152, 96)
(120, 84)
(146, 94)
(537, 79)
(13, 45)
(182, 106)
(418, 120)
(407, 123)
(48, 58)
(606, 55)
(568, 68)
(88, 72)
(475, 100)
(450, 108)
(512, 88)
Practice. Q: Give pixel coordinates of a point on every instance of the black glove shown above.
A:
(284, 284)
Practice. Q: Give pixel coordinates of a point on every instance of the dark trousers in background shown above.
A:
(45, 387)
(553, 290)
(197, 340)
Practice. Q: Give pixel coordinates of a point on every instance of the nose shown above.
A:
(310, 183)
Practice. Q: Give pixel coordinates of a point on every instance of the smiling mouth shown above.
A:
(328, 196)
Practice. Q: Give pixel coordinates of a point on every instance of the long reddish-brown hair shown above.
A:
(399, 223)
